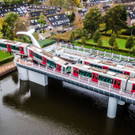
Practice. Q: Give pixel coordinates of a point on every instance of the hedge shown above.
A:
(6, 60)
(106, 47)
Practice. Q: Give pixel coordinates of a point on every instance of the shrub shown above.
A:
(130, 42)
(96, 36)
(115, 46)
(99, 43)
(112, 40)
(133, 50)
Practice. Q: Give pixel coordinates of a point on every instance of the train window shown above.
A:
(118, 83)
(115, 82)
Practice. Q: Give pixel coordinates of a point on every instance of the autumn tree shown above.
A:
(78, 22)
(1, 26)
(92, 20)
(22, 23)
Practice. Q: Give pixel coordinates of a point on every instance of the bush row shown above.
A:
(106, 47)
(6, 60)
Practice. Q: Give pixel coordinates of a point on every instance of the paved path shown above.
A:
(7, 68)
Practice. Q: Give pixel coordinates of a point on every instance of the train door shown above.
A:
(86, 63)
(44, 60)
(95, 77)
(126, 73)
(133, 88)
(21, 50)
(117, 83)
(31, 53)
(75, 71)
(105, 67)
(8, 47)
(58, 67)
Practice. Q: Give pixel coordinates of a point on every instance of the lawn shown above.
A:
(4, 55)
(46, 42)
(121, 42)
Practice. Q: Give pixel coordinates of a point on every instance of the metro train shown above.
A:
(108, 65)
(98, 75)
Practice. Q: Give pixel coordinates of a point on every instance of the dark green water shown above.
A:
(29, 109)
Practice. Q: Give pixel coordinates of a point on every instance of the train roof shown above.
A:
(102, 71)
(132, 79)
(6, 41)
(109, 63)
(48, 55)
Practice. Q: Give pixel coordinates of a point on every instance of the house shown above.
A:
(57, 20)
(131, 18)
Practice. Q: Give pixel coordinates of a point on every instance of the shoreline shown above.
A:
(7, 68)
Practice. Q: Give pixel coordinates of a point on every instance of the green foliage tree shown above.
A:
(96, 36)
(112, 40)
(72, 37)
(130, 42)
(100, 42)
(115, 18)
(115, 46)
(11, 18)
(83, 40)
(41, 20)
(92, 20)
(72, 17)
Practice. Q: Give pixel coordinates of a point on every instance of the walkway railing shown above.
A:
(104, 54)
(81, 79)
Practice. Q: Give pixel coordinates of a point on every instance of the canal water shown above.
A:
(58, 109)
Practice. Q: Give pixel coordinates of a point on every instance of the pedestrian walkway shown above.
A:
(7, 68)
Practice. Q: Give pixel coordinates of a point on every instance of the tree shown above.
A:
(115, 46)
(72, 17)
(116, 18)
(41, 20)
(72, 38)
(130, 42)
(96, 36)
(100, 42)
(78, 22)
(92, 20)
(22, 23)
(112, 40)
(83, 40)
(1, 26)
(11, 18)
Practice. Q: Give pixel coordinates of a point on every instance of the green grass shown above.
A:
(4, 55)
(102, 49)
(121, 42)
(46, 42)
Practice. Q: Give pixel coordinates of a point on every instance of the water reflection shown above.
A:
(80, 112)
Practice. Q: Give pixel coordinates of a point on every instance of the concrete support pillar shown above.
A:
(112, 107)
(38, 78)
(120, 102)
(23, 73)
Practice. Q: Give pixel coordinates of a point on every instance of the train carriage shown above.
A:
(46, 59)
(116, 80)
(109, 66)
(131, 85)
(13, 46)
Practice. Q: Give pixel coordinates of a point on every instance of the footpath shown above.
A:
(7, 68)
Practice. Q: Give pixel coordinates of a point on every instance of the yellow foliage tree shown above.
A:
(1, 26)
(78, 22)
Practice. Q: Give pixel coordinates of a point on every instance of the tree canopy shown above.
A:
(115, 18)
(92, 20)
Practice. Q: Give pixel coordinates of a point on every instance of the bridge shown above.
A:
(39, 73)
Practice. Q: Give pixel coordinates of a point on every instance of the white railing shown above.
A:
(97, 52)
(84, 80)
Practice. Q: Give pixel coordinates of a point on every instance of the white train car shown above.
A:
(110, 66)
(116, 80)
(13, 46)
(47, 59)
(131, 85)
